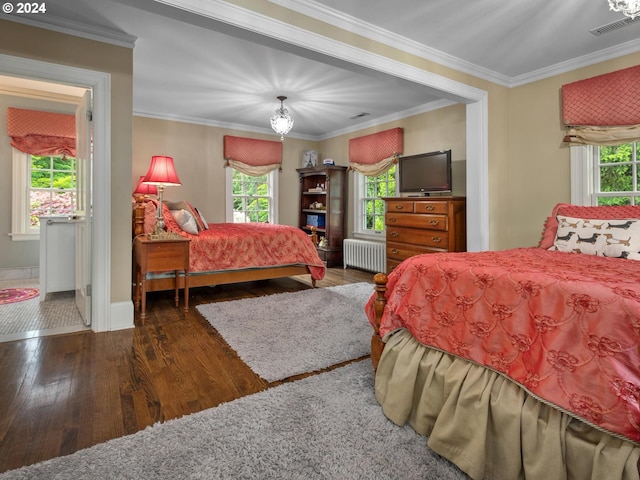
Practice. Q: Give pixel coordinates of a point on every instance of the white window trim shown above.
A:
(582, 175)
(274, 180)
(20, 228)
(358, 221)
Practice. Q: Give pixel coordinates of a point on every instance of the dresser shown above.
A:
(424, 225)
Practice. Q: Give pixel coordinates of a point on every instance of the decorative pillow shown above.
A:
(581, 211)
(186, 221)
(149, 217)
(170, 223)
(618, 238)
(184, 205)
(204, 222)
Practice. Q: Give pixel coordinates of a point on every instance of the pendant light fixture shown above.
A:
(281, 121)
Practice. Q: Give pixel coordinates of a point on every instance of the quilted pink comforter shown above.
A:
(564, 326)
(232, 246)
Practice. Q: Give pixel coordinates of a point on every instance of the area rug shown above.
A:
(328, 426)
(14, 295)
(291, 333)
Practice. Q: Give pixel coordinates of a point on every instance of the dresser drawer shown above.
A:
(431, 222)
(400, 251)
(427, 238)
(400, 207)
(430, 207)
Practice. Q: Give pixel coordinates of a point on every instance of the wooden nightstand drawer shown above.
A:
(428, 238)
(431, 222)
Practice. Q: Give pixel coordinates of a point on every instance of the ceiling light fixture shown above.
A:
(281, 121)
(631, 8)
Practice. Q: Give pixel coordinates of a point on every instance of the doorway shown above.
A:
(100, 251)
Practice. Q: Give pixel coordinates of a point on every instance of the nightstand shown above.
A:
(159, 256)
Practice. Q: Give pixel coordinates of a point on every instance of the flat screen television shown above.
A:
(425, 173)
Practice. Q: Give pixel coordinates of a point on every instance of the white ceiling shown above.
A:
(209, 70)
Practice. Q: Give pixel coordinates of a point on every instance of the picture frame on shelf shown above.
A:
(309, 158)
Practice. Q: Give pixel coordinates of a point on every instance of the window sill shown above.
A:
(24, 237)
(379, 236)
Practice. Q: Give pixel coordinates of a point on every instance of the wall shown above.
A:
(29, 42)
(17, 254)
(539, 162)
(197, 151)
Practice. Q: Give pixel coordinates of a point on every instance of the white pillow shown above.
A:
(609, 238)
(186, 221)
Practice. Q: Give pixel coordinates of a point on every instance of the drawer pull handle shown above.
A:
(434, 222)
(430, 207)
(392, 219)
(399, 207)
(394, 234)
(436, 239)
(394, 251)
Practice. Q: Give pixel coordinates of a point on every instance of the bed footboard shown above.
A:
(377, 345)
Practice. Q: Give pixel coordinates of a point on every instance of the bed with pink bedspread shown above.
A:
(521, 363)
(221, 253)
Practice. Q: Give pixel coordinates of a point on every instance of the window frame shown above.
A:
(359, 197)
(21, 229)
(585, 174)
(273, 180)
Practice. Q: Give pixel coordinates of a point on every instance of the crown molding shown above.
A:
(77, 29)
(338, 19)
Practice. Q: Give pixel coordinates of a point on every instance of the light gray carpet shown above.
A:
(291, 333)
(328, 426)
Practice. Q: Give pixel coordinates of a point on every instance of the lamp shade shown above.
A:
(162, 172)
(145, 188)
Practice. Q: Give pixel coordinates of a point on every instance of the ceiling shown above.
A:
(226, 72)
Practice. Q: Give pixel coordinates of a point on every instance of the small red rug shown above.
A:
(13, 295)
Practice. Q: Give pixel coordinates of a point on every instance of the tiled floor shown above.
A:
(32, 318)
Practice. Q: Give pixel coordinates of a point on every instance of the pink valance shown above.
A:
(376, 147)
(252, 151)
(612, 99)
(42, 133)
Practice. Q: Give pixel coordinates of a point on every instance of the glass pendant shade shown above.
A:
(631, 8)
(281, 121)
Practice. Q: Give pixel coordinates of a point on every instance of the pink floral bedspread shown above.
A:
(231, 246)
(565, 326)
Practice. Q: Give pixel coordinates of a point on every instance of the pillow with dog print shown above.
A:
(618, 238)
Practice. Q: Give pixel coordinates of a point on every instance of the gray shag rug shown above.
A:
(328, 426)
(291, 333)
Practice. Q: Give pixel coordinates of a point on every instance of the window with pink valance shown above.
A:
(374, 154)
(603, 110)
(252, 156)
(42, 133)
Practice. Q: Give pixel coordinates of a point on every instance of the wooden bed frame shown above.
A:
(377, 345)
(219, 277)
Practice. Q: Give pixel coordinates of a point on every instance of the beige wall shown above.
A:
(539, 173)
(29, 42)
(197, 151)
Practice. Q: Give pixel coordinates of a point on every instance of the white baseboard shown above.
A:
(121, 316)
(20, 273)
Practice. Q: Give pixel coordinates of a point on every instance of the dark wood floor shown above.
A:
(63, 393)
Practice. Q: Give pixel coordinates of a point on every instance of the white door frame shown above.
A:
(100, 83)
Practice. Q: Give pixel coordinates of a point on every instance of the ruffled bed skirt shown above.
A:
(489, 426)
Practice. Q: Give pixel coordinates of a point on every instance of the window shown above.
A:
(606, 175)
(251, 199)
(369, 214)
(42, 186)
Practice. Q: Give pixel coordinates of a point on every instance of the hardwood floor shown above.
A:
(64, 393)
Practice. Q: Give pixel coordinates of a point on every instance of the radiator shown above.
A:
(365, 255)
